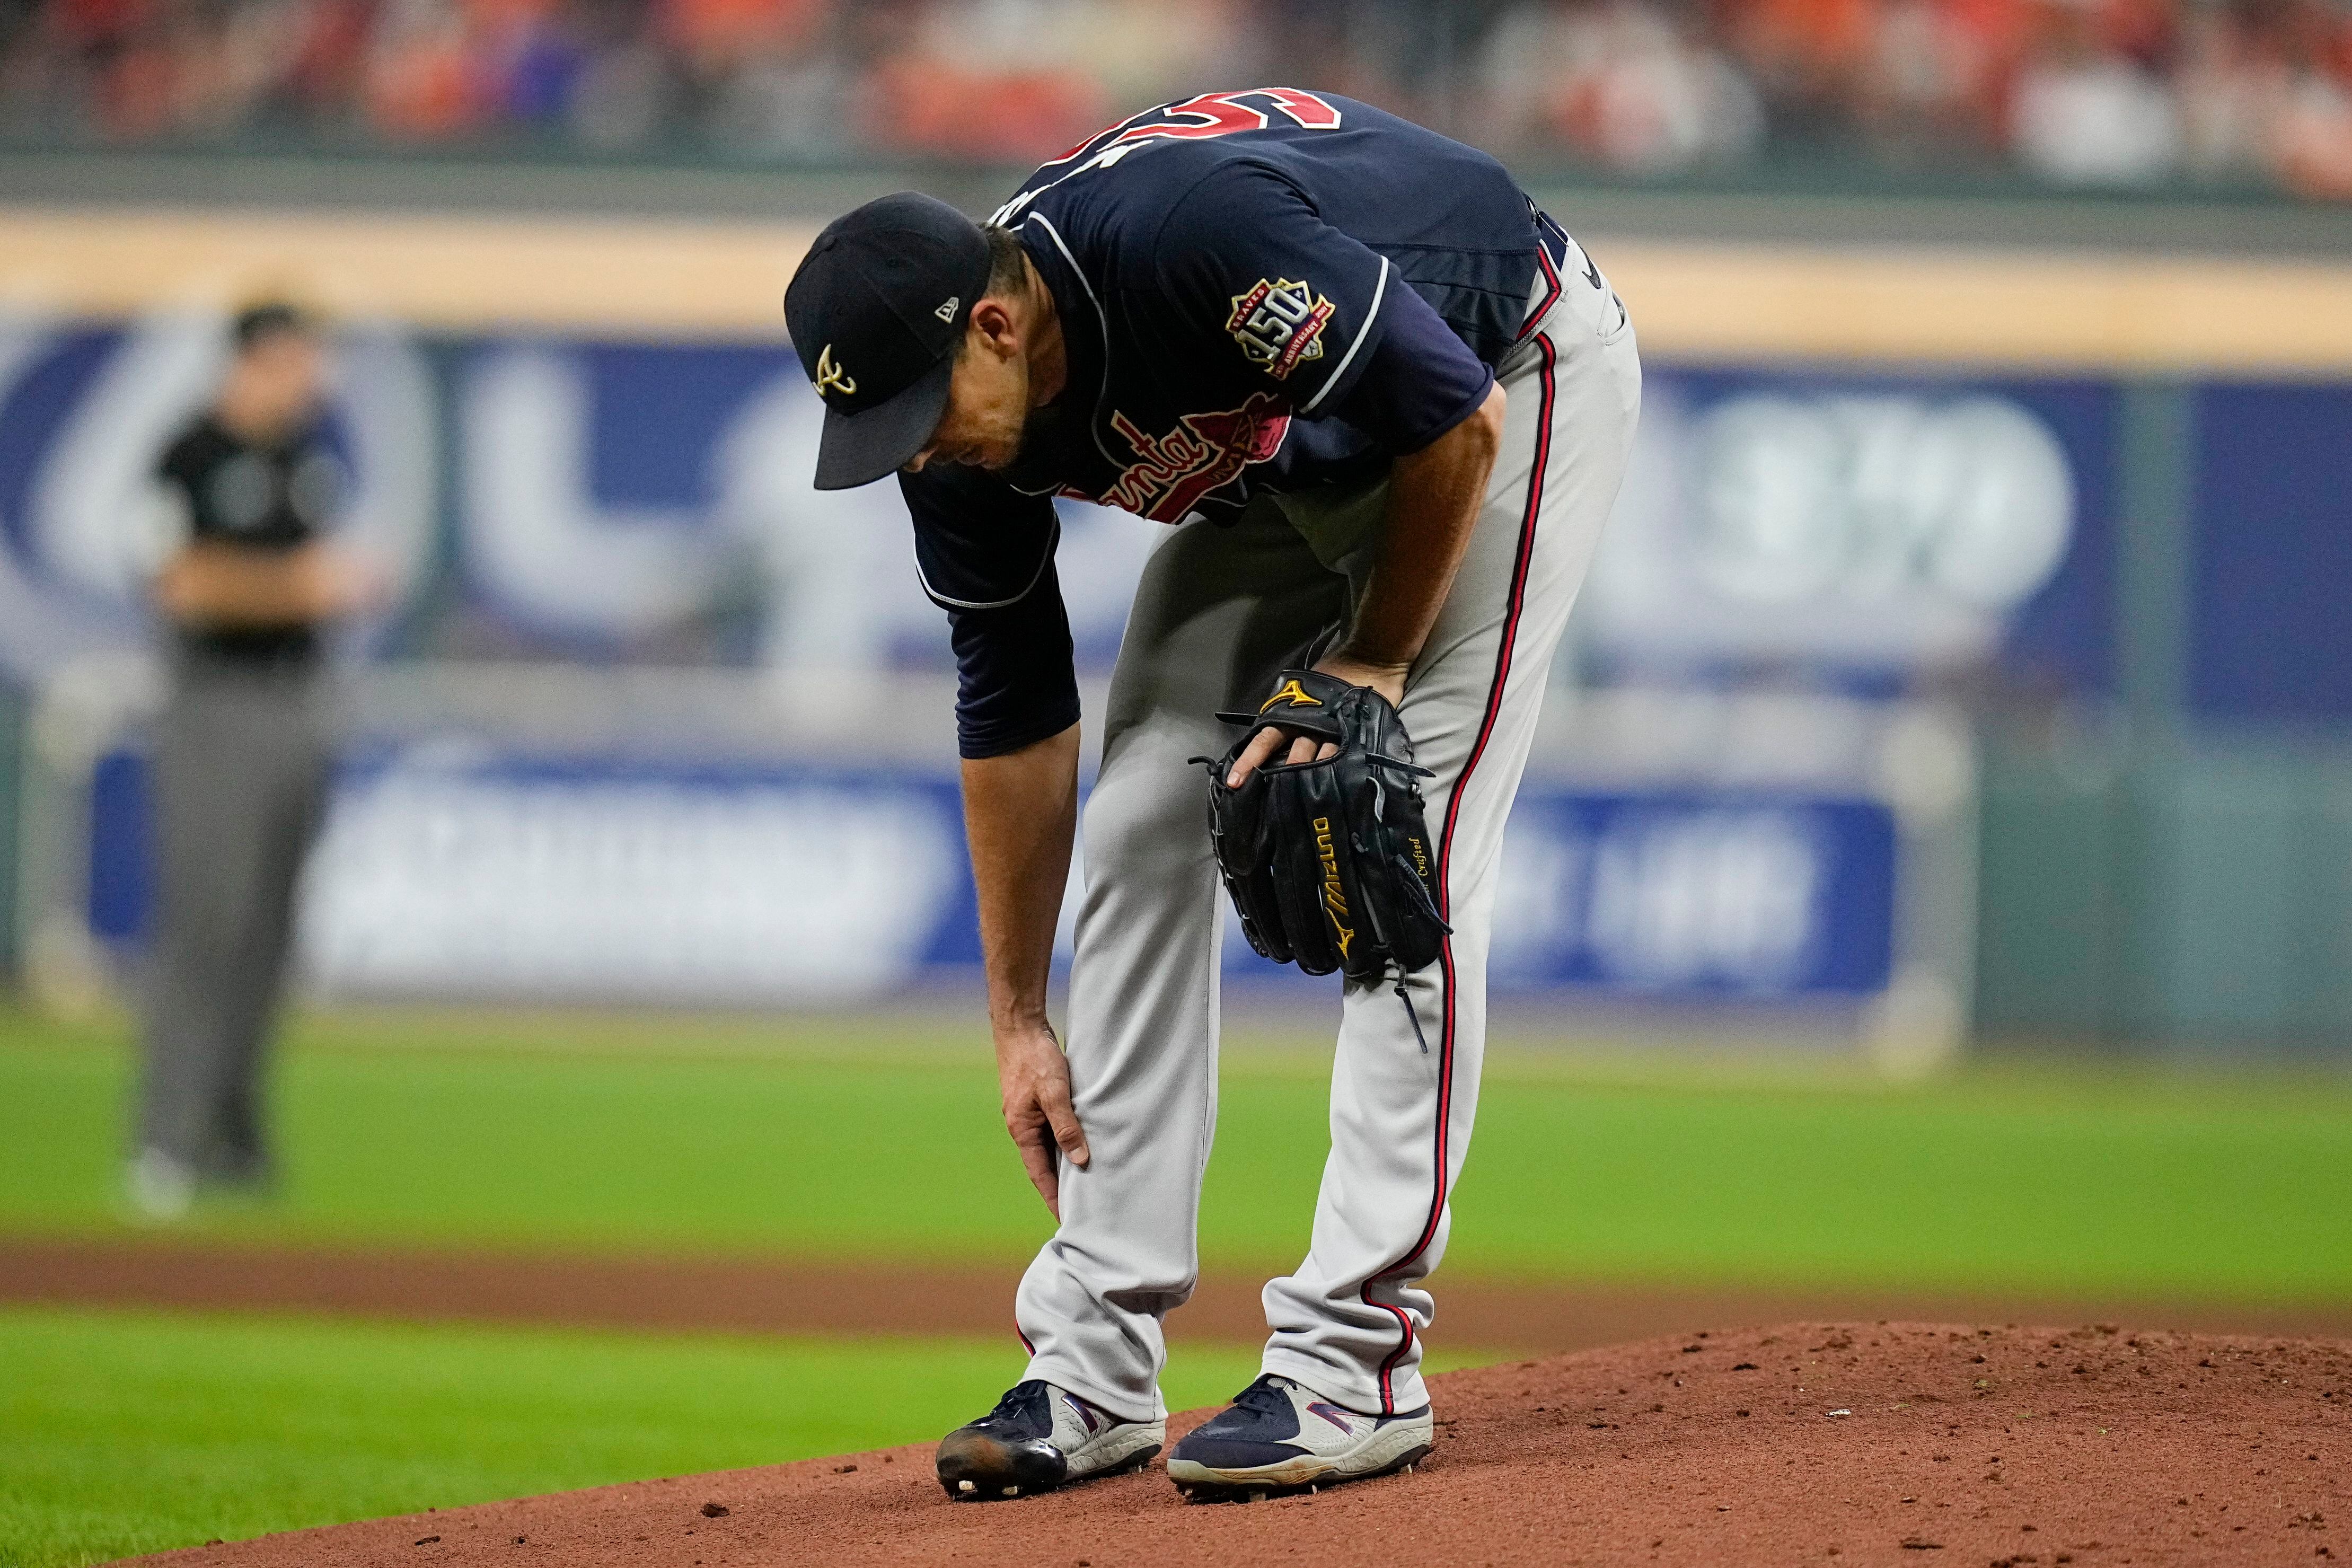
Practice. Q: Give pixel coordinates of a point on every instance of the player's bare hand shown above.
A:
(1036, 1077)
(1386, 679)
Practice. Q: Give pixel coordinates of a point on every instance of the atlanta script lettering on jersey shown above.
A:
(1203, 454)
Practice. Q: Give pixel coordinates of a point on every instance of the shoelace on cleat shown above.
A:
(1017, 1400)
(1263, 1398)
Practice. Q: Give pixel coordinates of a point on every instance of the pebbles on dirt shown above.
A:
(1952, 1445)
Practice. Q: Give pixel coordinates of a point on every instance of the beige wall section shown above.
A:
(614, 278)
(2002, 308)
(635, 278)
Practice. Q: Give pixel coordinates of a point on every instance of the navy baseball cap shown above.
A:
(877, 313)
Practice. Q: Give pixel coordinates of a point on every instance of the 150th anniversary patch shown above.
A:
(1280, 323)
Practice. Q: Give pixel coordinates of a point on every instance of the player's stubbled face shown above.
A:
(988, 404)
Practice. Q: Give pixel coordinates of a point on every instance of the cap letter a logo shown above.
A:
(831, 377)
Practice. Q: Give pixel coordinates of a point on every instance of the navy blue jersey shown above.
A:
(1258, 291)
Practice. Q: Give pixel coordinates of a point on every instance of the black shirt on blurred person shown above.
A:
(250, 578)
(267, 495)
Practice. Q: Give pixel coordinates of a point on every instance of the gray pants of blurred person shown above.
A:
(241, 761)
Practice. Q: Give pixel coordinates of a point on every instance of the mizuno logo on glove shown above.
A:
(1293, 693)
(1335, 897)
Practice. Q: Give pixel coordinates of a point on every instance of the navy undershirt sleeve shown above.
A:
(1422, 380)
(985, 554)
(1016, 683)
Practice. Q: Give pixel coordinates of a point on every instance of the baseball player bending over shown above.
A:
(1383, 404)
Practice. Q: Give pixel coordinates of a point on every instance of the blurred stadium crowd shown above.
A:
(2243, 93)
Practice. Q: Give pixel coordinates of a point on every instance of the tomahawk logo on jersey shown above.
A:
(1266, 290)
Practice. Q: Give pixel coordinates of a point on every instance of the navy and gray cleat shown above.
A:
(1039, 1437)
(1278, 1437)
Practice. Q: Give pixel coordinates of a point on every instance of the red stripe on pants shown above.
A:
(1445, 882)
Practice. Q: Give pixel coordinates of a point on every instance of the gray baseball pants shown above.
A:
(241, 761)
(1219, 610)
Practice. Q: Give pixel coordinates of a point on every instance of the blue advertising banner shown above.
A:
(1694, 895)
(534, 497)
(2271, 582)
(1861, 527)
(456, 873)
(527, 497)
(543, 498)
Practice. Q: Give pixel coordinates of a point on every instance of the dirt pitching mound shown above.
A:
(1892, 1443)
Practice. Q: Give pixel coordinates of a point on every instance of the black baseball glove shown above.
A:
(1329, 863)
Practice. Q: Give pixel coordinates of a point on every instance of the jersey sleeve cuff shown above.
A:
(977, 742)
(1469, 405)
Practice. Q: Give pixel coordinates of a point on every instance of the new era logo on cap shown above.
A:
(883, 289)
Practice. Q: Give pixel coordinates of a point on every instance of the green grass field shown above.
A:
(777, 1139)
(132, 1432)
(122, 1432)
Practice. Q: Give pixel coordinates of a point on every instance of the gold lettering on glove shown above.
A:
(1334, 902)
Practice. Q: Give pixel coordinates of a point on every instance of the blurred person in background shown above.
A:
(248, 585)
(2089, 109)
